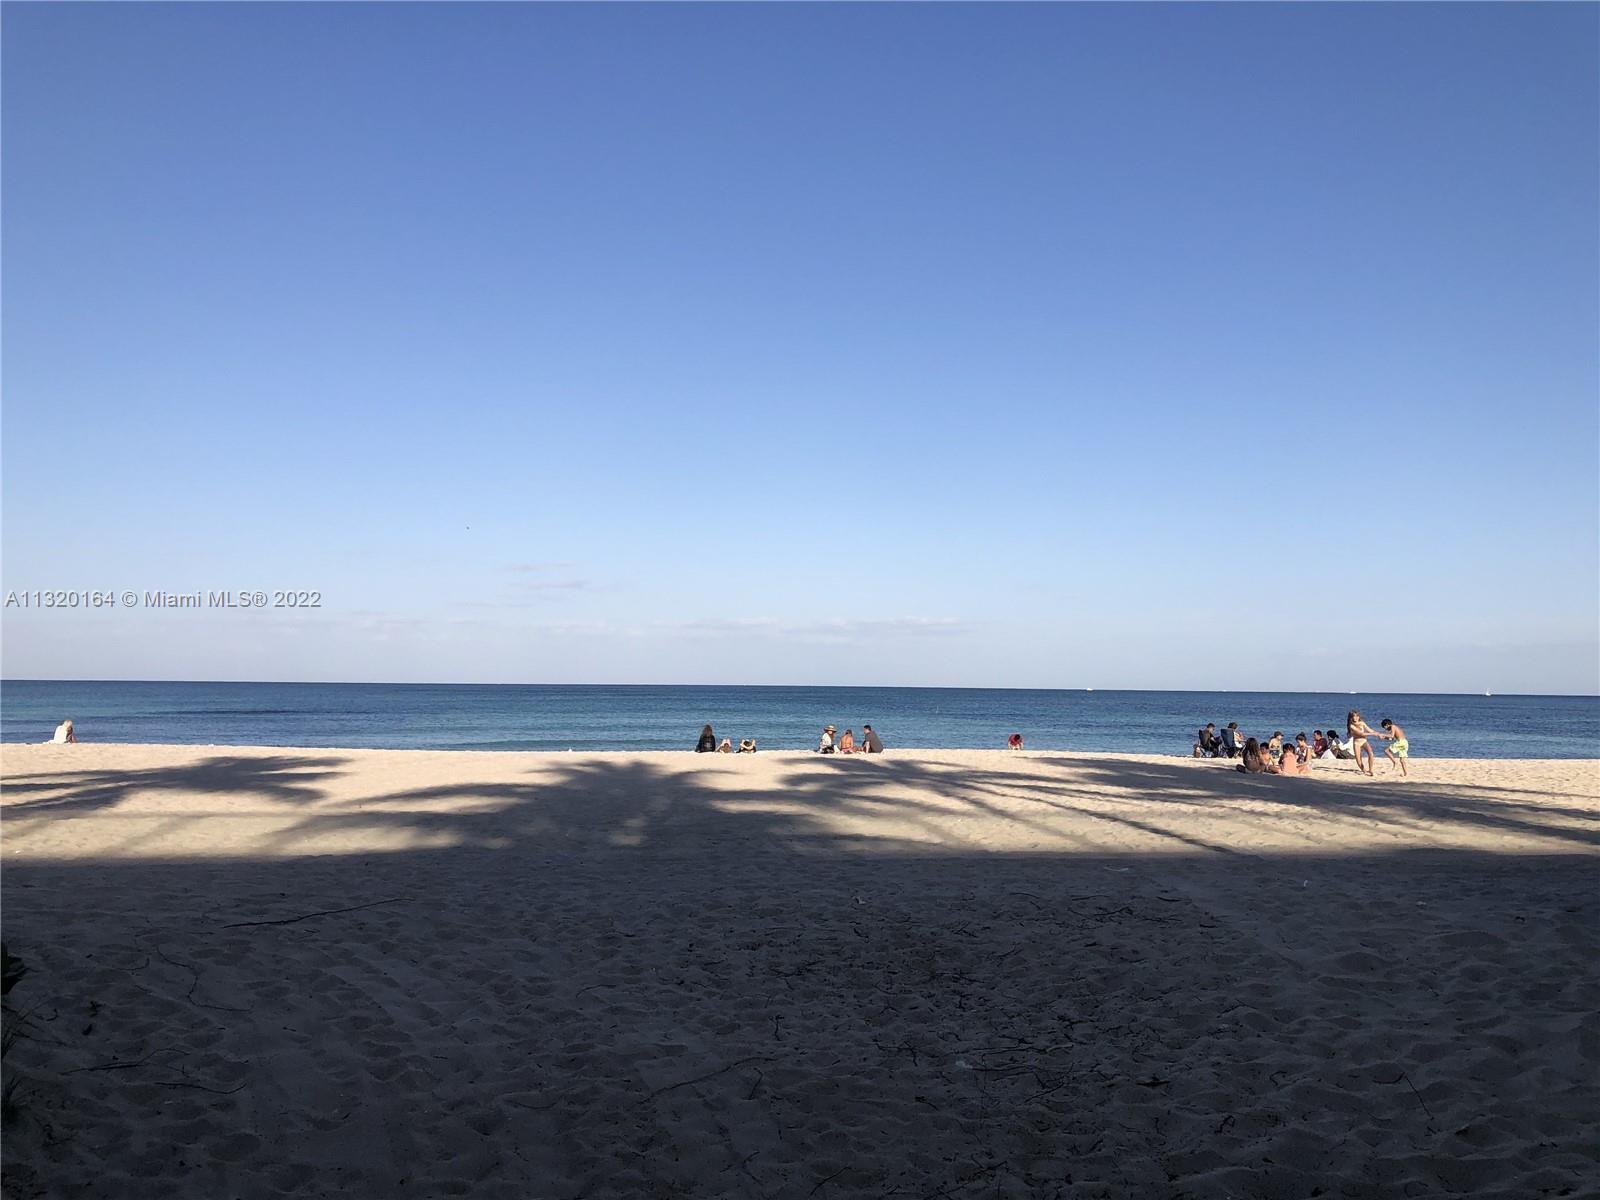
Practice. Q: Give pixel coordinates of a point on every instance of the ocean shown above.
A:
(607, 717)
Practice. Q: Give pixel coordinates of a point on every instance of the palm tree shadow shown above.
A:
(620, 946)
(288, 779)
(1452, 808)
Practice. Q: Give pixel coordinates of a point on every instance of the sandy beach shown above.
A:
(272, 972)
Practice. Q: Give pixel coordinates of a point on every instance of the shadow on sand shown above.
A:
(624, 977)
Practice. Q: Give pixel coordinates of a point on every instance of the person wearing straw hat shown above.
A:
(826, 745)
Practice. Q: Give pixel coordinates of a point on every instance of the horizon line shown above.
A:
(831, 686)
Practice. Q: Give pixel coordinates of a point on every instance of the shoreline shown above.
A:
(1334, 766)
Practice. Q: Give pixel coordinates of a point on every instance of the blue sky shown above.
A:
(1246, 346)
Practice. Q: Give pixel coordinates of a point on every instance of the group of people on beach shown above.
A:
(708, 744)
(1275, 756)
(870, 742)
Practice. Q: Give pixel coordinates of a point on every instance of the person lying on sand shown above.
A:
(726, 746)
(747, 745)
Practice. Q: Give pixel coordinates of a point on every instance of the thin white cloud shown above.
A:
(556, 585)
(584, 629)
(529, 590)
(539, 568)
(853, 629)
(533, 594)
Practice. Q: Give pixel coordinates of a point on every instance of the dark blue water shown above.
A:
(537, 717)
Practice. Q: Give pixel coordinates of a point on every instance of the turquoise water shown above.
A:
(541, 717)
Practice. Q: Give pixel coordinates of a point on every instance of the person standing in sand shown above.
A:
(1359, 731)
(1398, 749)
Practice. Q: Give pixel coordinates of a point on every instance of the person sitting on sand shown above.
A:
(1275, 744)
(1359, 731)
(1256, 759)
(1206, 744)
(870, 742)
(1335, 746)
(1291, 763)
(707, 742)
(1014, 742)
(847, 742)
(1398, 749)
(826, 745)
(747, 745)
(725, 747)
(1302, 748)
(64, 734)
(1230, 740)
(1319, 744)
